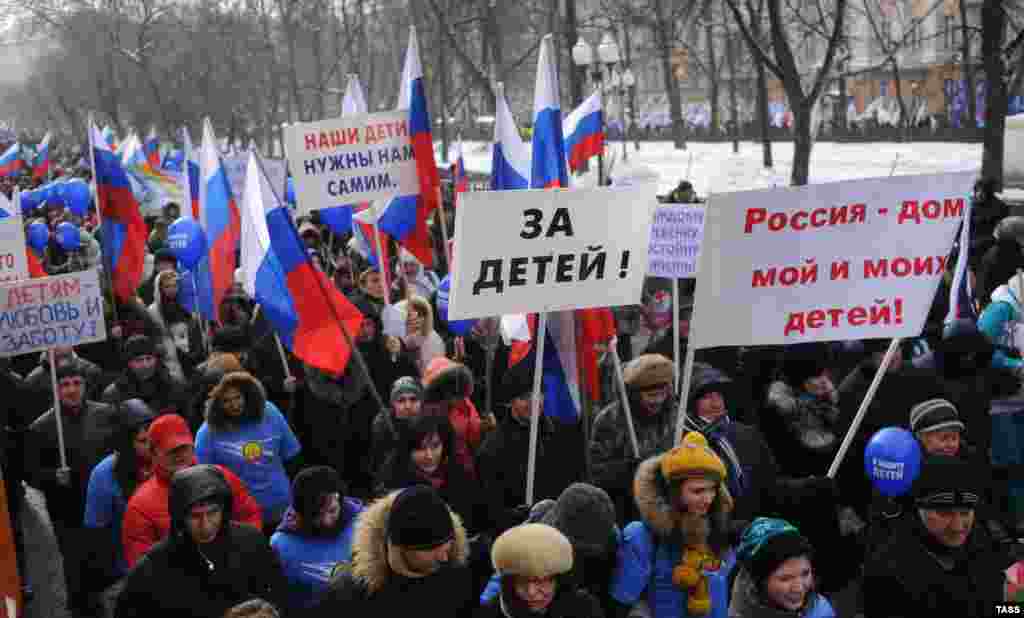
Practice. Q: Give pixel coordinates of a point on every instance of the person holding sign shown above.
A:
(88, 431)
(648, 380)
(146, 377)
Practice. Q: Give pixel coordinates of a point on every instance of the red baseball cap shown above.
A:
(168, 432)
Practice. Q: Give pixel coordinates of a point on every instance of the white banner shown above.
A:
(676, 233)
(532, 251)
(235, 167)
(13, 261)
(846, 260)
(350, 160)
(63, 310)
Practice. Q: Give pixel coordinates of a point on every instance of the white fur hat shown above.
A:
(532, 550)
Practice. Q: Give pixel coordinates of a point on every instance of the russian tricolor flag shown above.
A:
(221, 219)
(151, 149)
(363, 230)
(189, 178)
(405, 218)
(459, 176)
(961, 296)
(510, 160)
(11, 161)
(302, 306)
(123, 232)
(584, 131)
(548, 164)
(41, 167)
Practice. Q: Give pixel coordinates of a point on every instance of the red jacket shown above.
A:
(147, 520)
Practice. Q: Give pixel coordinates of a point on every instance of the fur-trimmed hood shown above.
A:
(651, 494)
(252, 390)
(370, 565)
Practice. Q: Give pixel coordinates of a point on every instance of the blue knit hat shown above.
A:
(768, 542)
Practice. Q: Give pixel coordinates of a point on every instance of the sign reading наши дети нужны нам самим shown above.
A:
(549, 250)
(352, 159)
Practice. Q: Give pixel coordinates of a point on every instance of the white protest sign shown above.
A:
(845, 260)
(676, 232)
(235, 167)
(353, 159)
(13, 262)
(63, 310)
(527, 251)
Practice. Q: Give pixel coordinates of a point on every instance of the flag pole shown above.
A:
(56, 410)
(385, 265)
(443, 218)
(675, 331)
(538, 375)
(354, 350)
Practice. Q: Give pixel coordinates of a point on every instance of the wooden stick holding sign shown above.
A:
(57, 412)
(613, 348)
(538, 380)
(443, 220)
(675, 330)
(862, 411)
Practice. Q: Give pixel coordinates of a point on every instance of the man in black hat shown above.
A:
(937, 561)
(147, 378)
(409, 557)
(88, 431)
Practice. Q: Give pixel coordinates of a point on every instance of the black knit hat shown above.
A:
(946, 483)
(310, 486)
(518, 380)
(934, 415)
(138, 345)
(419, 519)
(804, 361)
(165, 255)
(71, 369)
(230, 339)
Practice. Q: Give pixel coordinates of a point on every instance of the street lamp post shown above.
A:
(607, 54)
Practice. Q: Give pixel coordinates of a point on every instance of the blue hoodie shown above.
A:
(311, 562)
(997, 322)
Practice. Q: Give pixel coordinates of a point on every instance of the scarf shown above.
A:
(716, 435)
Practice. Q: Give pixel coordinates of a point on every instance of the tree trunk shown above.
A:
(802, 142)
(664, 41)
(966, 71)
(713, 97)
(442, 74)
(762, 112)
(993, 31)
(733, 107)
(575, 75)
(898, 88)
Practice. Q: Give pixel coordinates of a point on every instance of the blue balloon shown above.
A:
(37, 236)
(30, 200)
(892, 460)
(459, 328)
(68, 236)
(77, 196)
(46, 192)
(186, 239)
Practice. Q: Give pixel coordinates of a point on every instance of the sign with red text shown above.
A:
(847, 260)
(63, 310)
(532, 251)
(13, 261)
(351, 160)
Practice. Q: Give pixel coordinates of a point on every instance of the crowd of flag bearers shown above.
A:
(283, 421)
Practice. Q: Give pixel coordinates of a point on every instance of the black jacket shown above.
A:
(905, 578)
(177, 579)
(568, 603)
(163, 393)
(502, 464)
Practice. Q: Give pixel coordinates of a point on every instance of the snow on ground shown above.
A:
(714, 169)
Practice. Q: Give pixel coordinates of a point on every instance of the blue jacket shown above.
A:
(650, 550)
(997, 322)
(105, 505)
(310, 562)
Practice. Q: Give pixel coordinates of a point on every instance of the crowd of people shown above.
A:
(205, 478)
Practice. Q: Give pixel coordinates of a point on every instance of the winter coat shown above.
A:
(568, 603)
(447, 390)
(374, 588)
(612, 461)
(653, 546)
(461, 493)
(801, 429)
(206, 376)
(180, 360)
(41, 390)
(310, 562)
(88, 438)
(255, 447)
(502, 464)
(177, 578)
(908, 577)
(147, 520)
(1000, 322)
(163, 393)
(746, 602)
(998, 264)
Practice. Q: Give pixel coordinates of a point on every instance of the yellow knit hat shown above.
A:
(693, 458)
